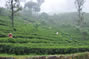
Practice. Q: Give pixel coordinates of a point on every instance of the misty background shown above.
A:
(57, 25)
(55, 6)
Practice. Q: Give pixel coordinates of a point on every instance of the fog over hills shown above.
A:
(56, 6)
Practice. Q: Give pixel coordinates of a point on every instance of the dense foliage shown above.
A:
(37, 35)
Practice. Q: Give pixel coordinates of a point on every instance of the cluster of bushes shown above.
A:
(21, 49)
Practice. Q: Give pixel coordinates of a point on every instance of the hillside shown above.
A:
(32, 38)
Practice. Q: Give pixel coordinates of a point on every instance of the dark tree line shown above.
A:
(34, 6)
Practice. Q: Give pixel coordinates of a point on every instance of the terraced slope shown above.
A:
(31, 40)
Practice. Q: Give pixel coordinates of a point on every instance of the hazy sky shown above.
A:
(58, 6)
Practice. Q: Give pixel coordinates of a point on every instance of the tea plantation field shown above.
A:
(30, 39)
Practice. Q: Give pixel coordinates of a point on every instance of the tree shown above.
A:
(44, 15)
(34, 6)
(79, 6)
(40, 2)
(14, 6)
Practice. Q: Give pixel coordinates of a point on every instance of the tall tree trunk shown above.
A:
(12, 14)
(79, 15)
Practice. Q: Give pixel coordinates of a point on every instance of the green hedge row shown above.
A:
(19, 50)
(23, 40)
(12, 40)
